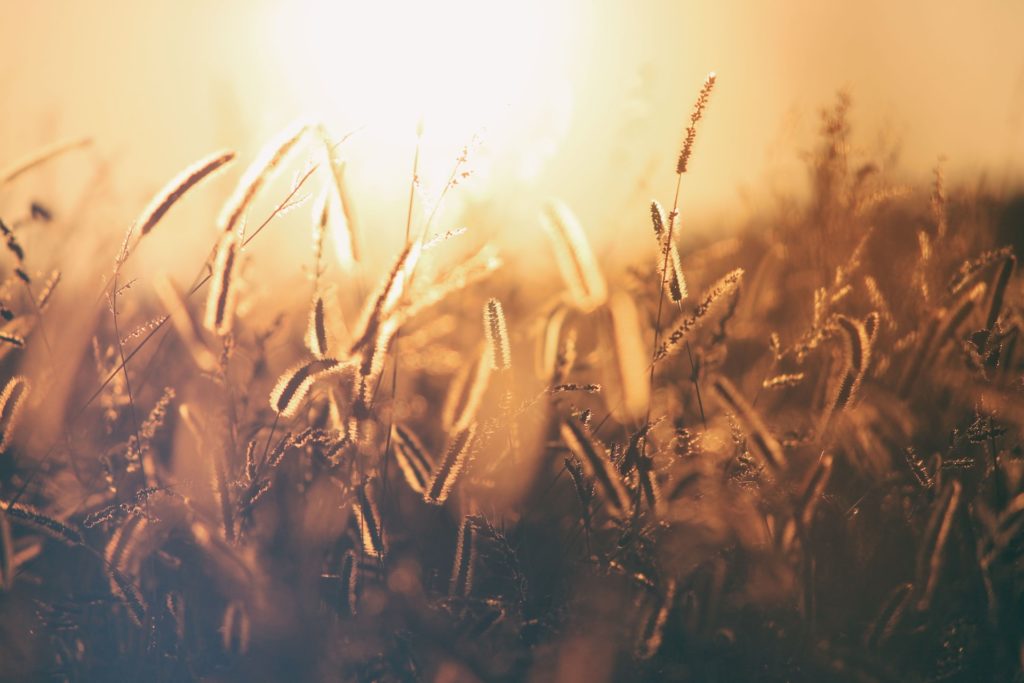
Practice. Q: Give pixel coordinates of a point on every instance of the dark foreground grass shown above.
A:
(468, 474)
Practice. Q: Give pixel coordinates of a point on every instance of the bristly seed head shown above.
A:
(695, 117)
(497, 335)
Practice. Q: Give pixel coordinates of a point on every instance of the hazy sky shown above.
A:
(584, 98)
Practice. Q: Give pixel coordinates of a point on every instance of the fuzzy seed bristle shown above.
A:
(177, 187)
(497, 335)
(695, 117)
(12, 402)
(316, 337)
(412, 458)
(272, 154)
(461, 582)
(220, 302)
(466, 393)
(450, 466)
(294, 384)
(367, 514)
(719, 291)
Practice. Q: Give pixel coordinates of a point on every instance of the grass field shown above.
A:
(790, 453)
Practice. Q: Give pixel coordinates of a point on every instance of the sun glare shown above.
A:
(460, 67)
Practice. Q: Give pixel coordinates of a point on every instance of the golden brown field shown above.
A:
(792, 452)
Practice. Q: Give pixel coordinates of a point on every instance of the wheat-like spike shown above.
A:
(412, 458)
(250, 461)
(461, 582)
(48, 525)
(295, 383)
(220, 302)
(654, 626)
(450, 466)
(785, 380)
(564, 388)
(388, 296)
(594, 457)
(316, 336)
(496, 332)
(630, 356)
(466, 393)
(252, 495)
(765, 445)
(727, 285)
(872, 322)
(658, 222)
(575, 258)
(12, 401)
(275, 456)
(930, 554)
(40, 157)
(183, 324)
(675, 282)
(695, 117)
(371, 532)
(257, 173)
(857, 356)
(372, 363)
(235, 628)
(173, 191)
(148, 326)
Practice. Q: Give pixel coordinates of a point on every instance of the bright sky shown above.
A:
(578, 99)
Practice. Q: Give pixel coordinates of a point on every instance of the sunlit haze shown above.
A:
(564, 96)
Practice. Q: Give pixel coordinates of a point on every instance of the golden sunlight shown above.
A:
(511, 340)
(460, 68)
